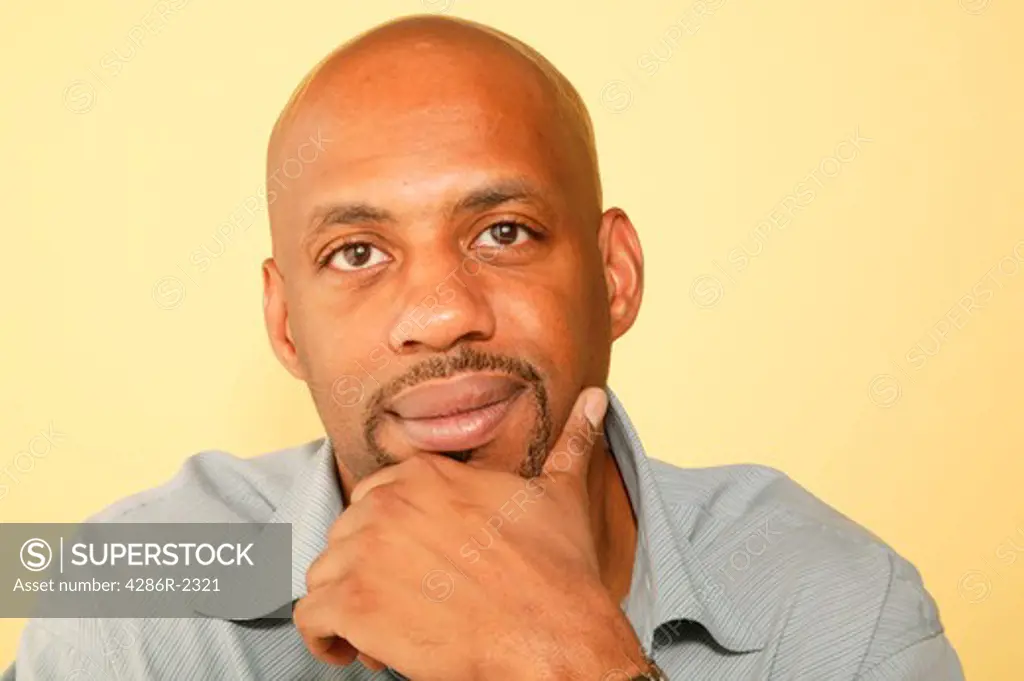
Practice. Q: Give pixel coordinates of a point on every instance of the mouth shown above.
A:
(455, 414)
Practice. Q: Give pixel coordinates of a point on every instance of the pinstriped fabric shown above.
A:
(739, 574)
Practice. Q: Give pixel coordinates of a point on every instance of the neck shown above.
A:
(613, 523)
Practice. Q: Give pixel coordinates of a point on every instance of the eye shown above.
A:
(505, 234)
(357, 255)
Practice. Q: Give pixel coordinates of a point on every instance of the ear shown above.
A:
(623, 260)
(275, 314)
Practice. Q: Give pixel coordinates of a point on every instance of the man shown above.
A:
(446, 282)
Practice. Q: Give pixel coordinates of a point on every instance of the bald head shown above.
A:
(419, 64)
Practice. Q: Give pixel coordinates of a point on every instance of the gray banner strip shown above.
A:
(238, 571)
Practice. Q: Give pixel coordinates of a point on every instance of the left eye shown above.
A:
(503, 234)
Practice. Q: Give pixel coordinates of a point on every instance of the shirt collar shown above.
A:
(665, 572)
(667, 569)
(310, 507)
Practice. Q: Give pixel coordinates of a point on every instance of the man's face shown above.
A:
(443, 286)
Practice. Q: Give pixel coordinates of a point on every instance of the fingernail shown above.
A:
(595, 406)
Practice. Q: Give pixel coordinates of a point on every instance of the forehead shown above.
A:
(412, 134)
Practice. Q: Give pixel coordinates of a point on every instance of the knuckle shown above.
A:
(356, 594)
(472, 512)
(300, 614)
(323, 570)
(578, 444)
(337, 532)
(313, 578)
(367, 543)
(382, 500)
(391, 501)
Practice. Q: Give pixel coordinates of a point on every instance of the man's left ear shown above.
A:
(623, 269)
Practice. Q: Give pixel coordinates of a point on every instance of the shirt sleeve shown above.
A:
(932, 659)
(909, 642)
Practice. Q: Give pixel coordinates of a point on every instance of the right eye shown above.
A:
(357, 255)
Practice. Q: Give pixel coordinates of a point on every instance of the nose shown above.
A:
(444, 303)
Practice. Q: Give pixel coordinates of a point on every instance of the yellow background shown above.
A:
(836, 354)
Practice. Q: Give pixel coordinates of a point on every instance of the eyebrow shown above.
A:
(483, 198)
(496, 194)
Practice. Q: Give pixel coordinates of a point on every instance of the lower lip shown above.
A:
(466, 430)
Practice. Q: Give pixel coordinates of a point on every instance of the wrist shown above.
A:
(625, 659)
(606, 649)
(624, 656)
(647, 670)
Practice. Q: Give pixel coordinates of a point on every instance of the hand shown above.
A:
(402, 583)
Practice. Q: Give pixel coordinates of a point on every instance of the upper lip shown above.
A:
(438, 398)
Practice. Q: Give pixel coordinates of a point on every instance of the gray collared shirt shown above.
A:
(740, 574)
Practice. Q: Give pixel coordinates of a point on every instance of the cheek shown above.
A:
(344, 360)
(547, 327)
(551, 324)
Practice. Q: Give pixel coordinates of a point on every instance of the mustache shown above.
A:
(466, 359)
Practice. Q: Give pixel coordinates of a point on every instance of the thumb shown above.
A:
(571, 456)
